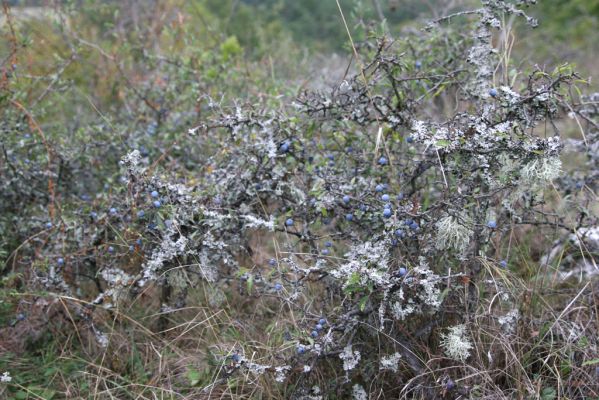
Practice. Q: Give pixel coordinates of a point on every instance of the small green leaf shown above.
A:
(442, 143)
(250, 284)
(444, 294)
(354, 279)
(362, 303)
(194, 377)
(21, 395)
(548, 393)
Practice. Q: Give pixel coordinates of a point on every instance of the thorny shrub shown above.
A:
(393, 198)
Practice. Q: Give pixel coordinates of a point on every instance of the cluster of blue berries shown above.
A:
(328, 244)
(156, 202)
(318, 327)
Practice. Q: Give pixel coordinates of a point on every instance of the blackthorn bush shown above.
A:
(388, 200)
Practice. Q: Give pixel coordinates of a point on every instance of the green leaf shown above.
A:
(548, 393)
(250, 284)
(353, 279)
(47, 394)
(194, 376)
(591, 362)
(21, 395)
(442, 143)
(439, 90)
(352, 285)
(242, 271)
(444, 294)
(362, 303)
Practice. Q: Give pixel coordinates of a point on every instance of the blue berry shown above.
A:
(408, 222)
(21, 317)
(284, 147)
(328, 244)
(409, 139)
(346, 199)
(157, 203)
(48, 225)
(322, 321)
(236, 357)
(382, 161)
(318, 327)
(112, 211)
(141, 213)
(289, 222)
(503, 264)
(301, 349)
(314, 334)
(331, 157)
(131, 248)
(110, 249)
(414, 226)
(493, 92)
(272, 262)
(325, 252)
(385, 197)
(312, 202)
(138, 241)
(387, 213)
(379, 188)
(93, 215)
(399, 233)
(418, 64)
(363, 207)
(60, 261)
(278, 287)
(154, 194)
(349, 217)
(492, 224)
(400, 196)
(387, 205)
(402, 271)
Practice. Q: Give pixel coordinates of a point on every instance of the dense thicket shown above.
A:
(187, 213)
